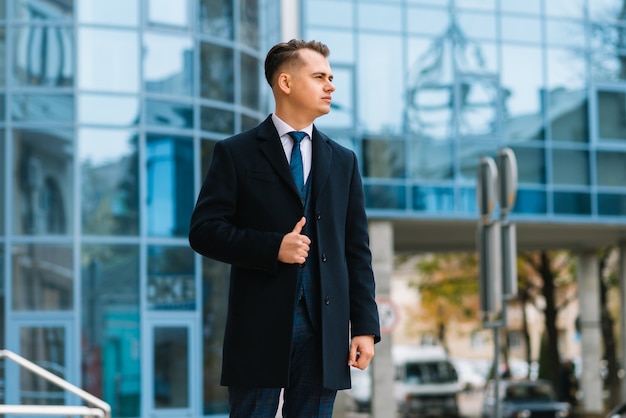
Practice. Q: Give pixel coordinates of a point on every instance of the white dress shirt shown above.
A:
(306, 145)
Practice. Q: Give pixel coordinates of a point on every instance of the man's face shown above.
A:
(312, 87)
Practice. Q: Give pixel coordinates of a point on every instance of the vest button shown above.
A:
(327, 300)
(324, 257)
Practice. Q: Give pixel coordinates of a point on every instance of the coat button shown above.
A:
(327, 300)
(319, 216)
(324, 257)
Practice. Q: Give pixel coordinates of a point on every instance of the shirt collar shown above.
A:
(283, 127)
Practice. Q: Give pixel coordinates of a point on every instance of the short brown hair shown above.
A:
(286, 52)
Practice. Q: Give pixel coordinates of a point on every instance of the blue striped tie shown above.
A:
(297, 168)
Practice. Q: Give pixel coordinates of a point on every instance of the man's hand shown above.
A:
(294, 248)
(361, 351)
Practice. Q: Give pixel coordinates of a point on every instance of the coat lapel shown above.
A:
(322, 154)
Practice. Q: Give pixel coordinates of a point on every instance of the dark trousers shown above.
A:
(305, 397)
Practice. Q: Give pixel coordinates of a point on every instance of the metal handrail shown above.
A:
(100, 408)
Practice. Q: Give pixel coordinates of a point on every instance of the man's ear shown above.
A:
(284, 83)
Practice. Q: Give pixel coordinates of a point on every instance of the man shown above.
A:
(293, 227)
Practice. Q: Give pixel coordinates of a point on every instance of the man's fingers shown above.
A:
(298, 228)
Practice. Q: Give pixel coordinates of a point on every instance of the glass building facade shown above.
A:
(109, 110)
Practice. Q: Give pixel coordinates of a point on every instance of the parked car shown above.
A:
(470, 378)
(524, 399)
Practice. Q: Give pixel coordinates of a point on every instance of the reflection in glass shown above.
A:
(467, 200)
(479, 102)
(516, 6)
(431, 160)
(570, 167)
(604, 10)
(522, 86)
(168, 64)
(3, 47)
(611, 204)
(383, 196)
(43, 184)
(108, 12)
(427, 21)
(607, 51)
(433, 199)
(44, 346)
(342, 15)
(110, 326)
(249, 23)
(469, 153)
(109, 60)
(376, 16)
(531, 165)
(215, 283)
(171, 282)
(383, 158)
(3, 197)
(530, 202)
(340, 42)
(42, 108)
(43, 277)
(217, 72)
(565, 33)
(250, 78)
(522, 29)
(488, 5)
(43, 56)
(611, 166)
(611, 115)
(161, 12)
(567, 8)
(169, 176)
(171, 367)
(475, 25)
(100, 109)
(171, 114)
(43, 9)
(217, 120)
(109, 182)
(572, 203)
(342, 107)
(216, 18)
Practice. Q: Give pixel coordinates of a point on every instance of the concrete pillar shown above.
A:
(591, 336)
(381, 244)
(622, 316)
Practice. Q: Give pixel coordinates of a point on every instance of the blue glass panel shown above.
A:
(570, 167)
(217, 72)
(612, 204)
(383, 158)
(53, 108)
(376, 16)
(171, 279)
(567, 8)
(560, 32)
(342, 16)
(477, 25)
(3, 197)
(530, 202)
(217, 120)
(250, 77)
(43, 9)
(108, 12)
(572, 203)
(469, 154)
(171, 114)
(340, 43)
(170, 193)
(110, 181)
(467, 200)
(431, 160)
(611, 168)
(607, 50)
(3, 47)
(515, 28)
(488, 5)
(43, 56)
(382, 196)
(216, 18)
(516, 6)
(168, 64)
(427, 21)
(101, 109)
(531, 165)
(249, 23)
(611, 115)
(433, 199)
(161, 12)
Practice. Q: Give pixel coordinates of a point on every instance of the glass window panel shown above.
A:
(109, 60)
(109, 181)
(570, 167)
(217, 72)
(606, 10)
(161, 12)
(607, 52)
(216, 18)
(565, 32)
(3, 321)
(530, 202)
(566, 8)
(381, 196)
(53, 108)
(3, 8)
(342, 108)
(531, 165)
(567, 100)
(206, 154)
(488, 5)
(610, 204)
(467, 200)
(43, 9)
(108, 12)
(523, 29)
(440, 3)
(475, 25)
(171, 114)
(434, 200)
(170, 193)
(469, 154)
(217, 120)
(110, 326)
(44, 55)
(383, 158)
(43, 184)
(3, 47)
(478, 106)
(431, 160)
(168, 64)
(250, 77)
(340, 43)
(379, 17)
(427, 21)
(522, 85)
(572, 203)
(171, 281)
(516, 6)
(171, 367)
(611, 166)
(215, 283)
(3, 197)
(342, 15)
(381, 104)
(43, 277)
(611, 115)
(249, 23)
(99, 109)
